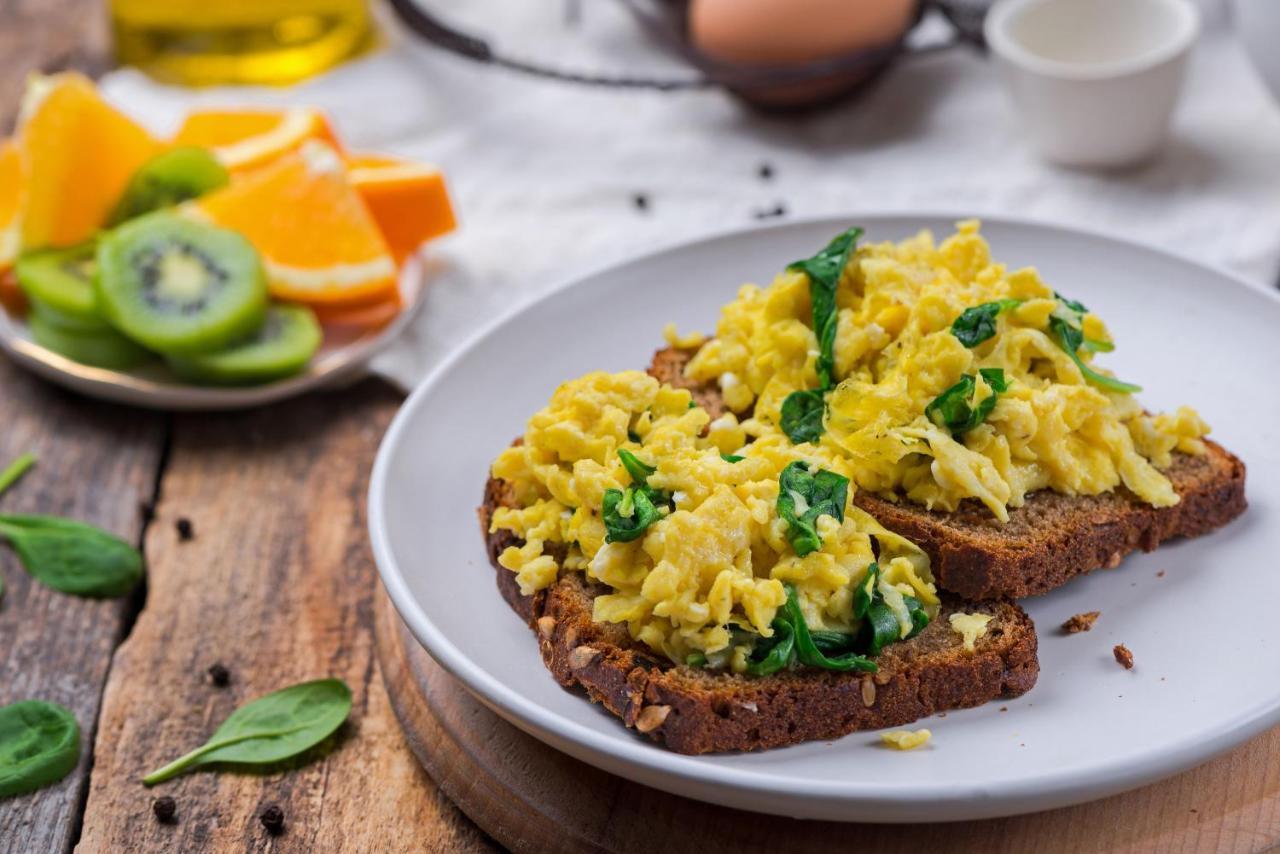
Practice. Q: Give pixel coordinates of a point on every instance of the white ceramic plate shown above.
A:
(1208, 667)
(344, 356)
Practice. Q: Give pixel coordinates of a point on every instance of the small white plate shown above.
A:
(1207, 672)
(343, 357)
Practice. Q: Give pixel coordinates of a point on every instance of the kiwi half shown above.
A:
(61, 280)
(102, 348)
(168, 179)
(281, 347)
(177, 285)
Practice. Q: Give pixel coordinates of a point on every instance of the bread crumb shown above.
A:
(903, 739)
(1004, 708)
(1160, 574)
(1123, 656)
(1081, 622)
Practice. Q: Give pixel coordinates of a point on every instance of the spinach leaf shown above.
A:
(732, 458)
(803, 496)
(954, 409)
(639, 471)
(776, 653)
(866, 592)
(802, 413)
(628, 514)
(824, 271)
(696, 659)
(978, 324)
(807, 651)
(1070, 339)
(882, 626)
(39, 745)
(919, 616)
(270, 729)
(15, 470)
(73, 557)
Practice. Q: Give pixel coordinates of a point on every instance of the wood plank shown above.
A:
(278, 584)
(96, 463)
(532, 798)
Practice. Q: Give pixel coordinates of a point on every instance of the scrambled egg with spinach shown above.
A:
(723, 545)
(930, 371)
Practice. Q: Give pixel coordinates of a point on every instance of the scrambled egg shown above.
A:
(970, 627)
(905, 739)
(895, 354)
(706, 578)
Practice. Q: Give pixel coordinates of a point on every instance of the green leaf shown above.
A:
(802, 413)
(954, 409)
(628, 514)
(866, 592)
(803, 496)
(15, 470)
(919, 616)
(638, 470)
(1070, 339)
(39, 745)
(884, 628)
(776, 653)
(271, 729)
(73, 557)
(732, 458)
(807, 651)
(696, 659)
(978, 324)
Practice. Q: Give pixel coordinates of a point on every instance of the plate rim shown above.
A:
(686, 775)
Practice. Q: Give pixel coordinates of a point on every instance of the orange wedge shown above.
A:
(11, 191)
(408, 200)
(318, 242)
(78, 153)
(246, 139)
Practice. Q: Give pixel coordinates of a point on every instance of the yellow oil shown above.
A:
(210, 42)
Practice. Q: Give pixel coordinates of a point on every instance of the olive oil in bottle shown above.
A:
(209, 42)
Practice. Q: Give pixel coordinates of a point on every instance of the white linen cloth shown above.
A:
(544, 175)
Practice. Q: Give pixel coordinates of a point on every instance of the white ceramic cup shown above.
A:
(1094, 81)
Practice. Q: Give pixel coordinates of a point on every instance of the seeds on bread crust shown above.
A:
(652, 717)
(582, 656)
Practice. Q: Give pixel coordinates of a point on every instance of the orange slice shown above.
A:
(408, 200)
(245, 139)
(11, 191)
(363, 314)
(318, 242)
(78, 153)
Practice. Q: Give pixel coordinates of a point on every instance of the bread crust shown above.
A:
(1052, 538)
(695, 711)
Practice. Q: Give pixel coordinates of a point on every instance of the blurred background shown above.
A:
(574, 133)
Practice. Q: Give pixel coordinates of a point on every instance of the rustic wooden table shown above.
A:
(278, 584)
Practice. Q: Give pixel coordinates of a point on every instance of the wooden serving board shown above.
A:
(530, 797)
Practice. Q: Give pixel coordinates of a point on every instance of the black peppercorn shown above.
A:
(770, 213)
(272, 819)
(765, 171)
(641, 201)
(219, 675)
(165, 809)
(185, 529)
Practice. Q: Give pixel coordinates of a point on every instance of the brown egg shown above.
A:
(796, 32)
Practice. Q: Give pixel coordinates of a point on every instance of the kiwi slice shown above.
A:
(61, 280)
(103, 348)
(282, 346)
(177, 285)
(168, 179)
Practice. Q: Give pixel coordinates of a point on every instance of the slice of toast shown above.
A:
(1050, 539)
(692, 711)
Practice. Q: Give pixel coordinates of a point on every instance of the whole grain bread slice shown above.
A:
(692, 711)
(1050, 539)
